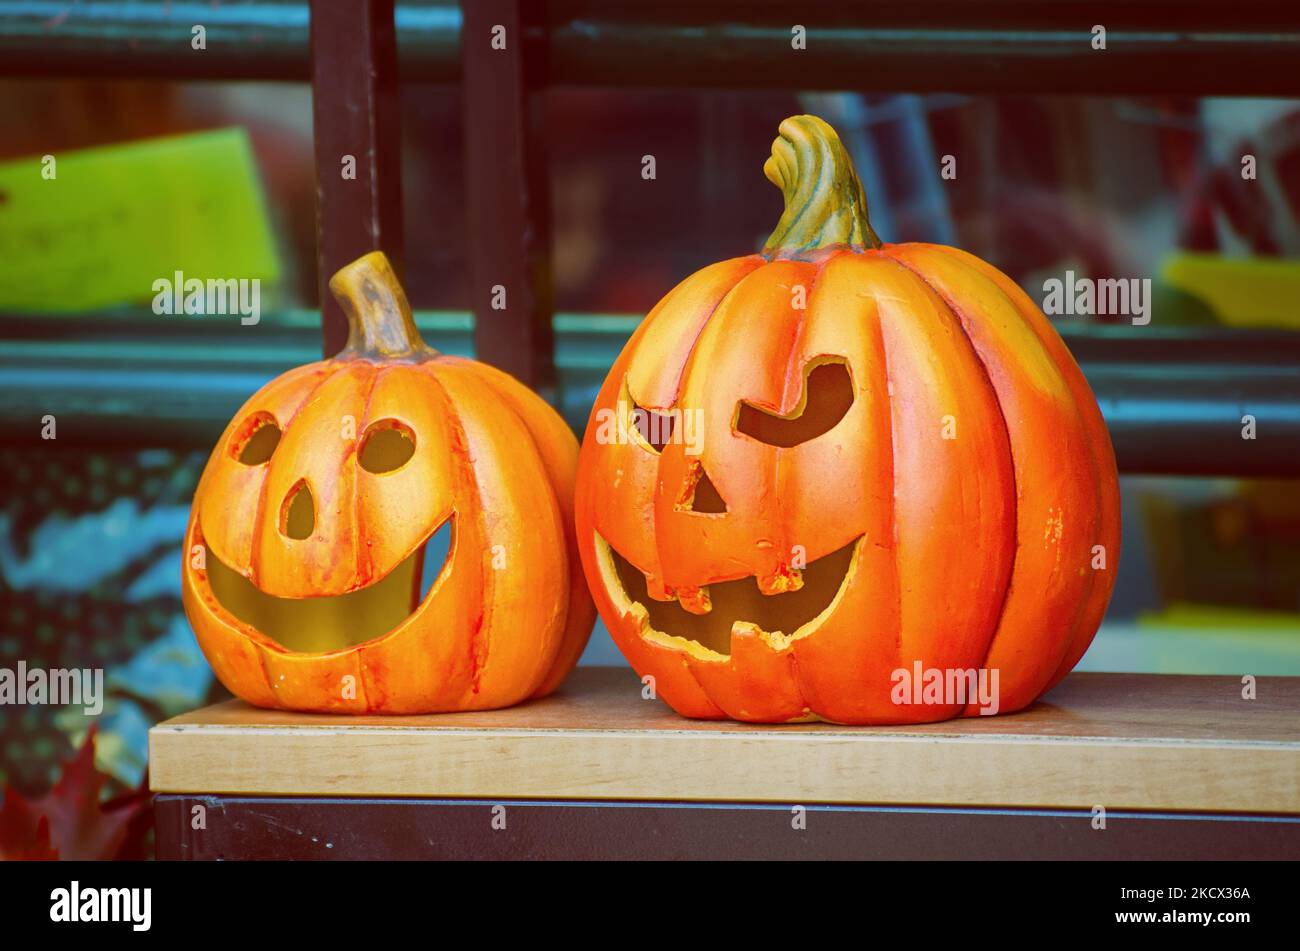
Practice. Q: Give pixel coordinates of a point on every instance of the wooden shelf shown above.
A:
(1123, 741)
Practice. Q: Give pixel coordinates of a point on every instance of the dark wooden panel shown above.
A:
(508, 200)
(355, 110)
(253, 828)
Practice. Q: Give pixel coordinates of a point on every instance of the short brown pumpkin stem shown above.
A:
(380, 324)
(824, 203)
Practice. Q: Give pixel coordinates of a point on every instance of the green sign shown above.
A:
(99, 227)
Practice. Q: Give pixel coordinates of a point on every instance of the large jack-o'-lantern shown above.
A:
(389, 530)
(824, 479)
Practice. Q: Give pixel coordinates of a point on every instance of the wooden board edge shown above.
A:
(1180, 775)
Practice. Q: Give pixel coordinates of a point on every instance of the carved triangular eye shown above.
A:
(699, 494)
(827, 396)
(655, 428)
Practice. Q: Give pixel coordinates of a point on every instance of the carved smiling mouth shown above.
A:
(779, 618)
(333, 622)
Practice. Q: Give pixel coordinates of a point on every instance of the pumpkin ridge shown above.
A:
(962, 319)
(1100, 450)
(992, 510)
(680, 387)
(878, 382)
(893, 474)
(486, 582)
(638, 340)
(254, 552)
(644, 328)
(366, 575)
(1094, 462)
(484, 425)
(363, 696)
(685, 660)
(544, 665)
(797, 682)
(290, 377)
(259, 651)
(778, 483)
(719, 327)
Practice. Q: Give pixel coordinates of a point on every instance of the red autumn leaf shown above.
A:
(70, 822)
(24, 835)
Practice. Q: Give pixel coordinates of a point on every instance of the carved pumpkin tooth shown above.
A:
(640, 616)
(772, 640)
(695, 600)
(781, 581)
(655, 588)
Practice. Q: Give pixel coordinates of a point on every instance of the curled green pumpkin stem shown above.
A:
(824, 203)
(380, 323)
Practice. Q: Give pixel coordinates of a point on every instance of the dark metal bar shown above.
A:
(239, 827)
(357, 119)
(507, 196)
(1005, 46)
(1193, 47)
(246, 39)
(1173, 399)
(1177, 401)
(1094, 342)
(1195, 419)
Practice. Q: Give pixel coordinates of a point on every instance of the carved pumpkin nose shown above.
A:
(298, 513)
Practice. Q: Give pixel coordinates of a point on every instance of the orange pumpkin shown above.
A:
(319, 507)
(818, 471)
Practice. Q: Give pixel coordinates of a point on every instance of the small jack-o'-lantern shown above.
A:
(389, 530)
(845, 480)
